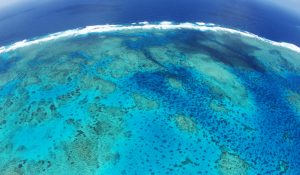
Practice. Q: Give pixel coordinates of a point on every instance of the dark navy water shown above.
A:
(28, 20)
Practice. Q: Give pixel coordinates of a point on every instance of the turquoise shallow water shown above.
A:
(150, 101)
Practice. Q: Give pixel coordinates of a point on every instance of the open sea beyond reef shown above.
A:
(150, 100)
(34, 18)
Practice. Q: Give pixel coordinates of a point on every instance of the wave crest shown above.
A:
(164, 25)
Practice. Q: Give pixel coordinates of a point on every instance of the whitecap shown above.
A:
(165, 25)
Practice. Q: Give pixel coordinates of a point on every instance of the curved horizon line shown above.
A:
(164, 25)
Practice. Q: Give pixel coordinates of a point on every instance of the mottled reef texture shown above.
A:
(150, 102)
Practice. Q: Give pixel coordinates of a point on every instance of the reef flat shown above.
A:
(150, 99)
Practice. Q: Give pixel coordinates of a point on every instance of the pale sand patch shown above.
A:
(283, 166)
(111, 115)
(218, 107)
(144, 103)
(230, 164)
(185, 123)
(167, 55)
(174, 83)
(104, 86)
(126, 63)
(294, 100)
(11, 169)
(275, 61)
(220, 80)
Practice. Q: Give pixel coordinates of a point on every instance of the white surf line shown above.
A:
(165, 25)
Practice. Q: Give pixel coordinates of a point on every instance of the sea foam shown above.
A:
(164, 25)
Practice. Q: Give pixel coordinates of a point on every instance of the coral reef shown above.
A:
(150, 102)
(185, 123)
(232, 164)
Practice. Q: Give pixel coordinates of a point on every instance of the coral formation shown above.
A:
(150, 102)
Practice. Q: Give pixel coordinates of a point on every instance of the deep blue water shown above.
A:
(29, 20)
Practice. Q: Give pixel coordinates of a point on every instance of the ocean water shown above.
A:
(28, 19)
(151, 99)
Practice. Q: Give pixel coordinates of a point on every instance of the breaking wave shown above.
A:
(165, 25)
